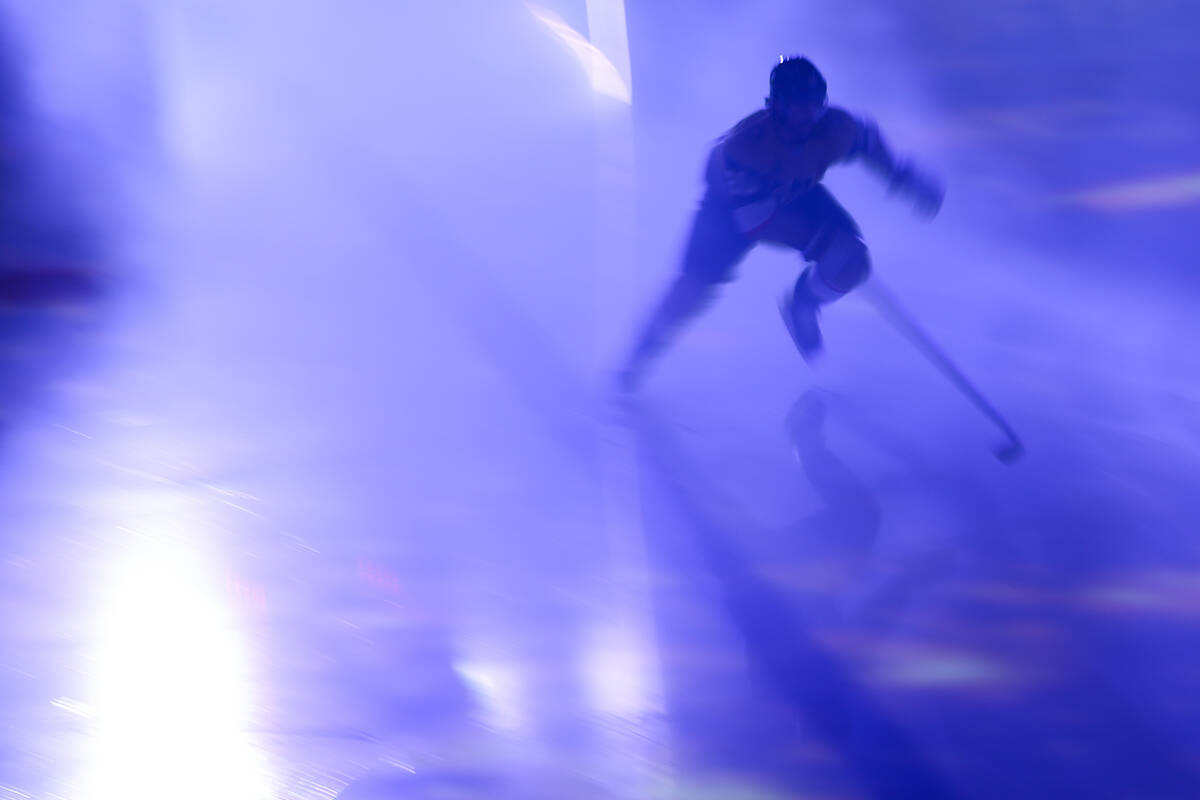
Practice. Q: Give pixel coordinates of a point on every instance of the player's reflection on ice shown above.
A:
(836, 544)
(779, 624)
(850, 517)
(850, 521)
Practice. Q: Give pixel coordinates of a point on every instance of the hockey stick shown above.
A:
(887, 305)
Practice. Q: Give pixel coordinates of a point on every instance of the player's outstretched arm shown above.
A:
(903, 177)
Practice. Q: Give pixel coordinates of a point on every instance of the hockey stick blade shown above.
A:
(886, 304)
(1010, 451)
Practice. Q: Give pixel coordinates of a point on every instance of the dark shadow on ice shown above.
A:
(52, 279)
(1099, 677)
(813, 682)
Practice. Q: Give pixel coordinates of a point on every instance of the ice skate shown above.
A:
(799, 313)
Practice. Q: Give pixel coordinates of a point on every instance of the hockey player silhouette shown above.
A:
(763, 184)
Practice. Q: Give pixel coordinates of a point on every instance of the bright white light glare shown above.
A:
(172, 691)
(605, 77)
(497, 688)
(618, 670)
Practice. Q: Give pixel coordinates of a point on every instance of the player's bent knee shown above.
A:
(843, 264)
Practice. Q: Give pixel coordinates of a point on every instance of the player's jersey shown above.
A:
(758, 171)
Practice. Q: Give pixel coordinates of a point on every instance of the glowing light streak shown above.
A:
(604, 75)
(499, 690)
(608, 31)
(1153, 193)
(944, 670)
